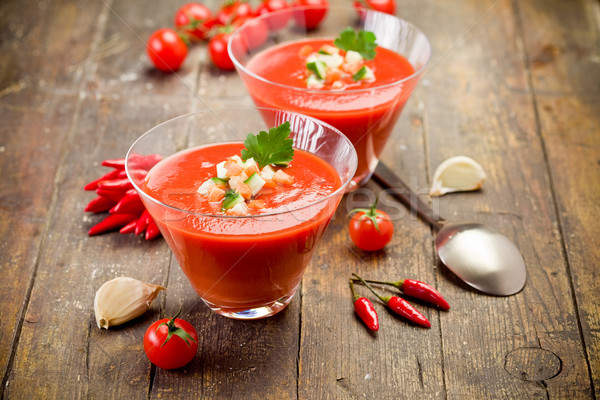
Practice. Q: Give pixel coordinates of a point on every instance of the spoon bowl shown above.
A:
(480, 256)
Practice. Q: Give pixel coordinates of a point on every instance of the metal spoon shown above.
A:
(482, 257)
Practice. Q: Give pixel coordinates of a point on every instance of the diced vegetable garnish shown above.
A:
(318, 67)
(232, 199)
(255, 182)
(335, 67)
(238, 183)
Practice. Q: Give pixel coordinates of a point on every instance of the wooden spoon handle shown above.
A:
(388, 180)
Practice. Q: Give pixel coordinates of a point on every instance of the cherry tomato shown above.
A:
(281, 19)
(194, 19)
(166, 50)
(217, 49)
(313, 13)
(370, 229)
(255, 33)
(384, 6)
(232, 10)
(170, 343)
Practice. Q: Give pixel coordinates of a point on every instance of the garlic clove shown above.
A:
(123, 299)
(457, 174)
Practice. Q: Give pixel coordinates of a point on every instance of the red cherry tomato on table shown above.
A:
(255, 33)
(231, 10)
(281, 19)
(170, 343)
(312, 13)
(166, 50)
(384, 6)
(370, 229)
(217, 49)
(194, 19)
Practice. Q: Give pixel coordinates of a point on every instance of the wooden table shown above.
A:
(512, 84)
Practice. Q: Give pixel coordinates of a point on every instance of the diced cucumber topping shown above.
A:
(314, 83)
(331, 60)
(206, 187)
(221, 170)
(219, 181)
(250, 163)
(353, 57)
(363, 73)
(239, 209)
(255, 182)
(267, 172)
(324, 52)
(319, 68)
(232, 199)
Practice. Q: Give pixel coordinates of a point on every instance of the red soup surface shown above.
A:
(366, 114)
(241, 262)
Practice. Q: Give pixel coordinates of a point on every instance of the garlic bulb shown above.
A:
(123, 299)
(457, 174)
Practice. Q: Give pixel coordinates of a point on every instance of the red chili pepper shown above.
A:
(365, 310)
(137, 161)
(118, 163)
(418, 290)
(152, 230)
(112, 222)
(93, 185)
(129, 204)
(404, 309)
(100, 204)
(115, 195)
(399, 306)
(116, 184)
(142, 222)
(129, 228)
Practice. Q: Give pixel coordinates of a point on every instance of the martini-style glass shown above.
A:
(244, 267)
(366, 116)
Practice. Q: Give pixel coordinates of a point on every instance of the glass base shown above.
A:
(358, 181)
(263, 311)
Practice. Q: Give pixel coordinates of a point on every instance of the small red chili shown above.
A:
(129, 228)
(123, 184)
(404, 309)
(399, 306)
(152, 230)
(365, 310)
(418, 290)
(142, 222)
(118, 163)
(112, 222)
(100, 204)
(129, 204)
(93, 185)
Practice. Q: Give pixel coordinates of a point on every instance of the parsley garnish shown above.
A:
(362, 42)
(274, 147)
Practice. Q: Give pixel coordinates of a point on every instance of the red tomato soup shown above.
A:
(241, 262)
(365, 113)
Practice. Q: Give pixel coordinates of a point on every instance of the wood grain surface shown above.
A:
(513, 84)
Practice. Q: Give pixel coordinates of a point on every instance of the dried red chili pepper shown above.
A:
(118, 163)
(93, 185)
(142, 222)
(365, 310)
(129, 204)
(123, 184)
(418, 290)
(152, 230)
(399, 306)
(129, 228)
(100, 204)
(112, 222)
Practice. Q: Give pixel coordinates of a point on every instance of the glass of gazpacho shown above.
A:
(242, 202)
(352, 70)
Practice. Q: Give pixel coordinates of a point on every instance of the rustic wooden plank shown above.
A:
(340, 358)
(565, 73)
(37, 103)
(479, 104)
